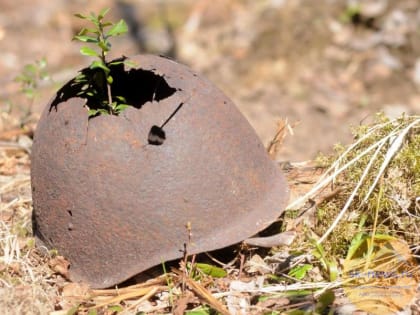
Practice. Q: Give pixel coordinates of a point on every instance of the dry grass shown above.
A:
(26, 282)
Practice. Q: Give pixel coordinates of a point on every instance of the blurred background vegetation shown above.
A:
(324, 65)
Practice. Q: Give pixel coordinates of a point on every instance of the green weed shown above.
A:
(97, 83)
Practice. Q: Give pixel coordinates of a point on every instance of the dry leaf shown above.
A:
(257, 265)
(60, 265)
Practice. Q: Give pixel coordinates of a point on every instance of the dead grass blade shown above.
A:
(335, 169)
(283, 127)
(327, 179)
(144, 293)
(112, 292)
(353, 194)
(395, 147)
(399, 136)
(204, 294)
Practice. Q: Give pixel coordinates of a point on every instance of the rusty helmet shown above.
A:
(114, 194)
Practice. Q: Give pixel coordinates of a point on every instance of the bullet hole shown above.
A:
(156, 136)
(70, 225)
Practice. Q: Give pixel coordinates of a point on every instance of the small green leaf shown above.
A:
(87, 51)
(119, 28)
(93, 312)
(121, 99)
(324, 301)
(81, 16)
(86, 39)
(333, 270)
(103, 111)
(355, 244)
(92, 112)
(21, 78)
(119, 108)
(42, 63)
(299, 272)
(201, 310)
(85, 87)
(80, 78)
(73, 310)
(83, 31)
(99, 64)
(30, 69)
(103, 13)
(95, 112)
(116, 63)
(109, 79)
(93, 18)
(105, 45)
(130, 63)
(213, 271)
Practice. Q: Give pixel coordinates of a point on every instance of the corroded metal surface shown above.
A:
(114, 205)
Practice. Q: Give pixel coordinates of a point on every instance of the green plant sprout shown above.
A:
(29, 80)
(98, 83)
(30, 77)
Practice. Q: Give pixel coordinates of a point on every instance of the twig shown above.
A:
(207, 296)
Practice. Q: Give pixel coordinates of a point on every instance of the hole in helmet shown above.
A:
(133, 87)
(156, 136)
